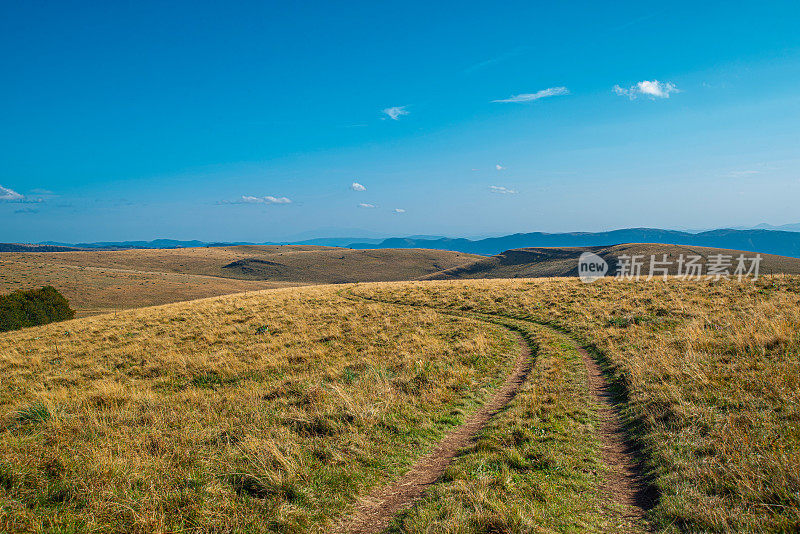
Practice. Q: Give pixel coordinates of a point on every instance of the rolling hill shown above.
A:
(299, 409)
(537, 262)
(97, 281)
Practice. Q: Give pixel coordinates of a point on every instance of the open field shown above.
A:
(266, 412)
(92, 290)
(709, 373)
(277, 411)
(103, 281)
(288, 263)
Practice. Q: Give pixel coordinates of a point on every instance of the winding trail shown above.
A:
(375, 511)
(625, 484)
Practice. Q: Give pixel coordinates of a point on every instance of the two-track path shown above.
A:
(624, 486)
(376, 511)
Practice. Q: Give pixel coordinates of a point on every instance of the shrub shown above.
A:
(33, 307)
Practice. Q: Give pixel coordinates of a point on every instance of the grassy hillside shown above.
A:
(710, 373)
(337, 265)
(295, 263)
(93, 290)
(278, 410)
(557, 262)
(102, 281)
(268, 412)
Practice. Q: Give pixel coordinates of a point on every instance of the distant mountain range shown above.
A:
(767, 239)
(786, 227)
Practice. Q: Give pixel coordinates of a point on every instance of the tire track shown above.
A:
(375, 511)
(625, 485)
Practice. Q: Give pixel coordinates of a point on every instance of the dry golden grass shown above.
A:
(92, 290)
(104, 281)
(273, 411)
(712, 373)
(263, 412)
(289, 263)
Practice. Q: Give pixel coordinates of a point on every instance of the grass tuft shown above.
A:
(32, 414)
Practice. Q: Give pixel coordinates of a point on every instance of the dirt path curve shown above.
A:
(625, 483)
(376, 510)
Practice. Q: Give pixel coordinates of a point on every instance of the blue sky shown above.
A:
(252, 120)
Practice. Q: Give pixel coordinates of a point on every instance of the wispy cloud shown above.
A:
(395, 112)
(739, 174)
(365, 205)
(26, 210)
(499, 167)
(399, 210)
(502, 190)
(355, 186)
(10, 194)
(247, 199)
(650, 89)
(530, 97)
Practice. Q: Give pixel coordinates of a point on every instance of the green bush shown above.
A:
(33, 307)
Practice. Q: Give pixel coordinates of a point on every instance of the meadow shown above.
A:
(93, 290)
(263, 412)
(281, 410)
(709, 376)
(102, 281)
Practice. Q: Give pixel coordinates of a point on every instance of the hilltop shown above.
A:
(537, 262)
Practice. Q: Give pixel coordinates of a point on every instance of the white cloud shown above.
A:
(395, 112)
(650, 89)
(9, 194)
(499, 167)
(365, 205)
(265, 200)
(399, 210)
(530, 97)
(502, 190)
(357, 187)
